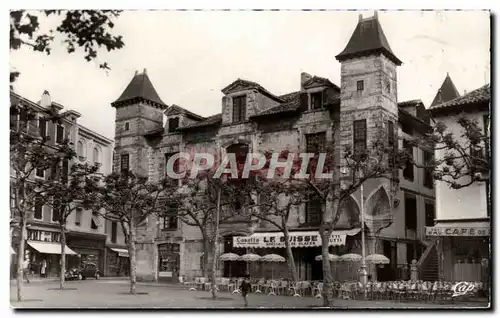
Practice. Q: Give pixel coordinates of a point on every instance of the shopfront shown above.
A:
(306, 246)
(117, 262)
(89, 247)
(168, 262)
(43, 251)
(464, 248)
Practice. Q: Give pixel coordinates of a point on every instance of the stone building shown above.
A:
(254, 119)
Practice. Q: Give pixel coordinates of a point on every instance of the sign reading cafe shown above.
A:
(296, 239)
(457, 231)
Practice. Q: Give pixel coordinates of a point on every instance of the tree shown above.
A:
(463, 157)
(276, 201)
(88, 30)
(197, 203)
(29, 153)
(67, 191)
(130, 199)
(379, 160)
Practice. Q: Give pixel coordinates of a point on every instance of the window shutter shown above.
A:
(303, 102)
(42, 127)
(60, 134)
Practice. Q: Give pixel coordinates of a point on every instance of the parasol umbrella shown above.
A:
(331, 257)
(229, 257)
(351, 257)
(272, 258)
(250, 257)
(377, 259)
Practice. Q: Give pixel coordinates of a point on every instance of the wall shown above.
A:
(466, 203)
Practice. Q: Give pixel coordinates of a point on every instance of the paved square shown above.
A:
(113, 294)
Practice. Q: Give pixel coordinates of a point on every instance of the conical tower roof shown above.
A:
(140, 88)
(447, 92)
(368, 38)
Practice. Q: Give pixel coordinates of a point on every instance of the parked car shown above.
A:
(89, 270)
(73, 274)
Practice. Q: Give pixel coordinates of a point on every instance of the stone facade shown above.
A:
(289, 121)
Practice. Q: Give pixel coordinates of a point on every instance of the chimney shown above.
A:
(375, 14)
(360, 17)
(46, 101)
(136, 73)
(145, 72)
(304, 77)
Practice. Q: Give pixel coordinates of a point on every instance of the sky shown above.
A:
(190, 56)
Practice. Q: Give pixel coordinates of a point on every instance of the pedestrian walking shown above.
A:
(245, 288)
(43, 270)
(26, 265)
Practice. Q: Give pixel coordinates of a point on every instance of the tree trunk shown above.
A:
(291, 261)
(133, 258)
(206, 252)
(214, 268)
(20, 260)
(327, 272)
(63, 257)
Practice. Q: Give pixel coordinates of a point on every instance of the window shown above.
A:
(411, 213)
(126, 126)
(313, 211)
(428, 172)
(38, 209)
(42, 127)
(173, 124)
(359, 127)
(124, 162)
(40, 173)
(175, 163)
(56, 213)
(408, 170)
(316, 100)
(94, 222)
(96, 156)
(80, 151)
(78, 216)
(114, 231)
(360, 86)
(392, 144)
(65, 170)
(59, 134)
(429, 214)
(315, 143)
(170, 223)
(239, 109)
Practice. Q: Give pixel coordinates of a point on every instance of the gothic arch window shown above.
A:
(349, 215)
(379, 203)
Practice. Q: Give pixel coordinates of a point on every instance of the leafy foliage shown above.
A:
(89, 30)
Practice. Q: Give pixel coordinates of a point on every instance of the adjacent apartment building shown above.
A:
(86, 237)
(462, 230)
(253, 119)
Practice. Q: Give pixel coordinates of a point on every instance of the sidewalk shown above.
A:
(56, 279)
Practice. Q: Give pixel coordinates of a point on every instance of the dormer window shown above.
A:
(360, 86)
(173, 124)
(317, 100)
(239, 108)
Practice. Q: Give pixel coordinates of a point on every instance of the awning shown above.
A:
(297, 239)
(459, 229)
(12, 250)
(121, 252)
(50, 248)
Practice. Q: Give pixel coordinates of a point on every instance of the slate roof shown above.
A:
(292, 103)
(319, 80)
(249, 84)
(209, 121)
(447, 92)
(480, 95)
(140, 87)
(412, 102)
(368, 38)
(176, 109)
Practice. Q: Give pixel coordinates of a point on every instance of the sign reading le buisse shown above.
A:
(270, 240)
